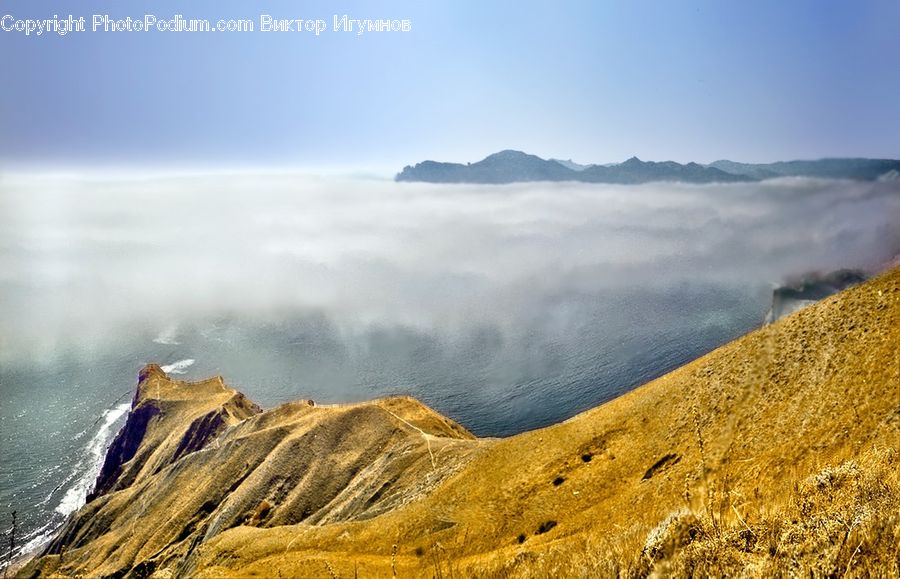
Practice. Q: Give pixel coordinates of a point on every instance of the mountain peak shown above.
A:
(508, 154)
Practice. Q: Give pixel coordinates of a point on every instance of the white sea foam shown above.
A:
(85, 473)
(169, 336)
(36, 539)
(178, 367)
(92, 461)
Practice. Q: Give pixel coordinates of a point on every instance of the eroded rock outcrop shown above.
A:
(197, 458)
(160, 410)
(808, 289)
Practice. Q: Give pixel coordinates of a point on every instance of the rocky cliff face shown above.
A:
(197, 458)
(808, 289)
(159, 409)
(773, 455)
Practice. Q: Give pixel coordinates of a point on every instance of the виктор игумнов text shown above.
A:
(178, 23)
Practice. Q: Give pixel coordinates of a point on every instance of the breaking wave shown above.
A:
(179, 367)
(92, 461)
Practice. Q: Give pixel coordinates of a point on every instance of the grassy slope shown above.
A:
(775, 454)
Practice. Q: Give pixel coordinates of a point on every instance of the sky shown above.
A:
(593, 81)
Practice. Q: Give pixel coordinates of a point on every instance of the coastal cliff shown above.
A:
(776, 454)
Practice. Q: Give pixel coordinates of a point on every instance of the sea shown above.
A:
(506, 308)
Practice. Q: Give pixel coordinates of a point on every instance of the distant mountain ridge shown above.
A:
(511, 166)
(858, 169)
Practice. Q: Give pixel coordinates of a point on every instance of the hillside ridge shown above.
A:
(510, 166)
(775, 454)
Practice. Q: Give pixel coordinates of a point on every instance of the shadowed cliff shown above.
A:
(775, 454)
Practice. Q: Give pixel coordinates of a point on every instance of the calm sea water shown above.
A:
(506, 308)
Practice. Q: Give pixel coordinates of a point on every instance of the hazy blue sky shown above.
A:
(595, 81)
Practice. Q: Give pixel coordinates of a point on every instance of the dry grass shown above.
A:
(841, 522)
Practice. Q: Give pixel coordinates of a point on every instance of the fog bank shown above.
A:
(79, 256)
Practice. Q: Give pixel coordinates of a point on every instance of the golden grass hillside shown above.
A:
(774, 455)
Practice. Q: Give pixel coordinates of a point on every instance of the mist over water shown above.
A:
(504, 307)
(81, 256)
